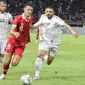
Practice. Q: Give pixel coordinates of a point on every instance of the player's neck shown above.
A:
(26, 17)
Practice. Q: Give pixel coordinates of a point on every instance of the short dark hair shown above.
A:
(28, 4)
(51, 7)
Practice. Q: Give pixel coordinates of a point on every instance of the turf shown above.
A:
(68, 67)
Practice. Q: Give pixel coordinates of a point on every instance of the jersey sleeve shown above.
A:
(39, 22)
(60, 21)
(10, 18)
(15, 22)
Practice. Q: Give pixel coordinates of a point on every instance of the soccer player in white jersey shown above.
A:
(50, 38)
(5, 20)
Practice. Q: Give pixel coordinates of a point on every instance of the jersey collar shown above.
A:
(24, 18)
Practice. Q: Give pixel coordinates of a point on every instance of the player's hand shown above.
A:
(17, 34)
(75, 34)
(31, 26)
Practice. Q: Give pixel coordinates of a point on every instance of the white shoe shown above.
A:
(36, 78)
(2, 77)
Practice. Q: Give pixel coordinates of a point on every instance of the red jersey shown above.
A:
(23, 27)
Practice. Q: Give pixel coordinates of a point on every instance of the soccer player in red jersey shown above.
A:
(20, 36)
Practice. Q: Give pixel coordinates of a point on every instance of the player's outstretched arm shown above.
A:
(71, 30)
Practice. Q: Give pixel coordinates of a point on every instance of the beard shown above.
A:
(49, 16)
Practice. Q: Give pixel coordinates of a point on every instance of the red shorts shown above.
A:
(15, 47)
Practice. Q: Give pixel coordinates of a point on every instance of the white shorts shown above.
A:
(50, 47)
(2, 46)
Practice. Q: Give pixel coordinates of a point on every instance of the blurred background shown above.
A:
(71, 11)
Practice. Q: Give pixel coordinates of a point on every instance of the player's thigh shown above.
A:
(19, 50)
(43, 49)
(52, 54)
(18, 54)
(53, 50)
(10, 47)
(42, 53)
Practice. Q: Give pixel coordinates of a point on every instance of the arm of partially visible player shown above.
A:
(13, 32)
(71, 30)
(36, 25)
(61, 22)
(10, 19)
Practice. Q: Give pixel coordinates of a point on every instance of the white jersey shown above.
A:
(5, 18)
(50, 29)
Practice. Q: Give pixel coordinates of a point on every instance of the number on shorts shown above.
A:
(8, 46)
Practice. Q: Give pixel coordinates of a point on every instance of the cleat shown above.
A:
(36, 78)
(2, 77)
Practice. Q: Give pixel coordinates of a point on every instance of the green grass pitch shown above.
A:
(68, 67)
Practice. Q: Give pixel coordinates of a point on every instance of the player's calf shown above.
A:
(49, 60)
(16, 60)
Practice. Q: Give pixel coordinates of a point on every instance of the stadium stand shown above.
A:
(72, 11)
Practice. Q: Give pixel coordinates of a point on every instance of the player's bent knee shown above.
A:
(14, 63)
(40, 55)
(16, 60)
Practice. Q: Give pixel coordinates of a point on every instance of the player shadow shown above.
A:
(69, 77)
(16, 75)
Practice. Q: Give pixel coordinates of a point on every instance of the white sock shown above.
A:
(38, 65)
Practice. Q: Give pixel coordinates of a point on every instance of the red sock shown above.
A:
(5, 68)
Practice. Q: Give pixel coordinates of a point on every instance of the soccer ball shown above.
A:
(26, 79)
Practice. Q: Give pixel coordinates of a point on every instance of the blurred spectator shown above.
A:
(63, 8)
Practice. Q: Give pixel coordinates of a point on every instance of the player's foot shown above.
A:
(2, 77)
(36, 78)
